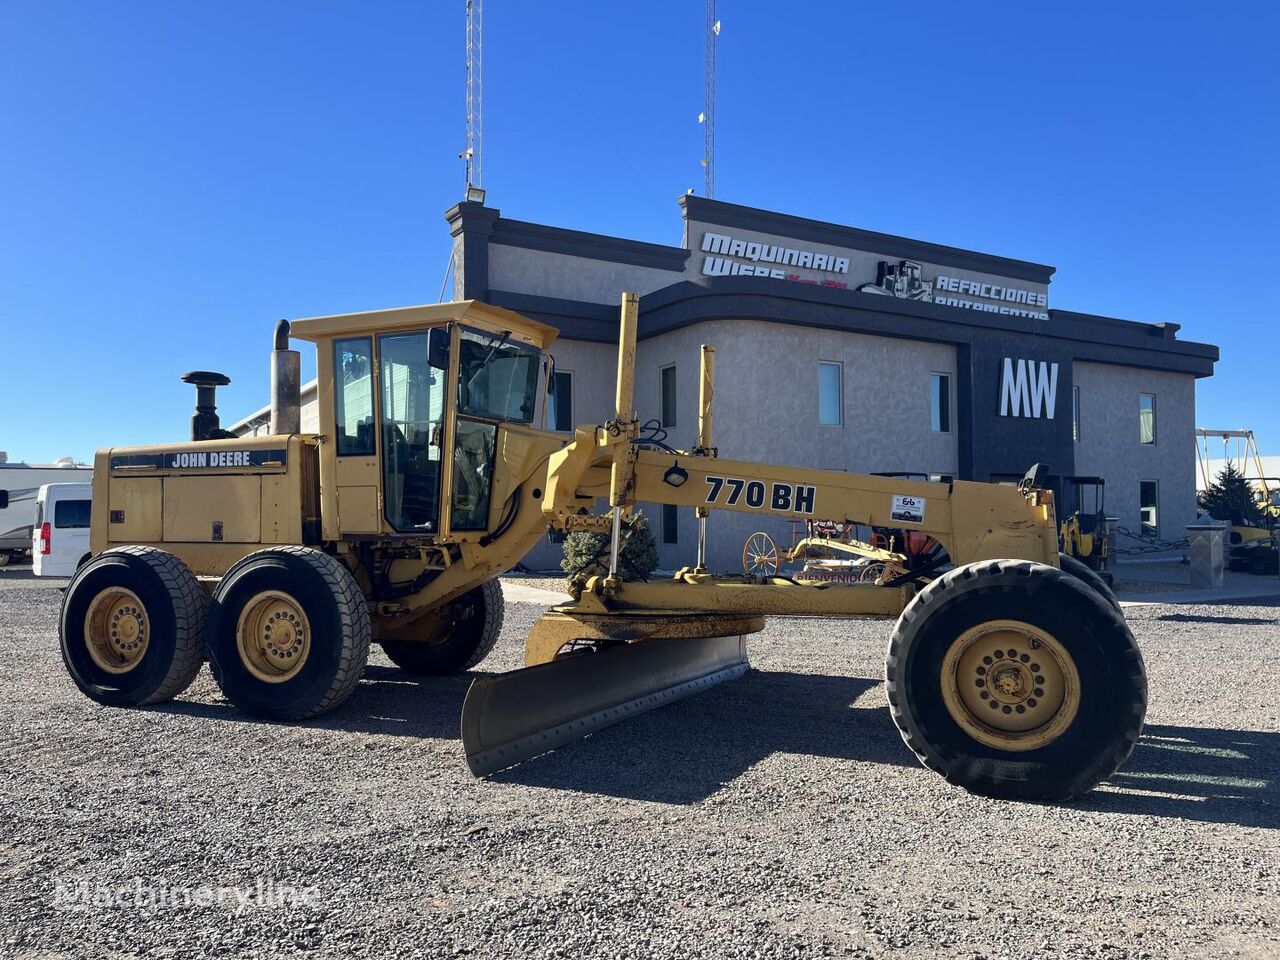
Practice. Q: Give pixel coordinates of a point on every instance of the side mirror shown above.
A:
(4, 499)
(1036, 478)
(438, 348)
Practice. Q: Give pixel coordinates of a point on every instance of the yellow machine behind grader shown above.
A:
(281, 558)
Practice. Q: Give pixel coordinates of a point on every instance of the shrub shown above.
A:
(588, 553)
(1232, 498)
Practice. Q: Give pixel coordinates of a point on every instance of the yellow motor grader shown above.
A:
(281, 558)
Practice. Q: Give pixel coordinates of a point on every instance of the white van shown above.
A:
(60, 537)
(19, 484)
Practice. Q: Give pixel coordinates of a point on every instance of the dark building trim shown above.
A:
(473, 222)
(1089, 339)
(761, 298)
(575, 319)
(817, 231)
(594, 246)
(963, 413)
(1088, 328)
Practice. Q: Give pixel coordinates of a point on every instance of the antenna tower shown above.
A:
(708, 117)
(473, 155)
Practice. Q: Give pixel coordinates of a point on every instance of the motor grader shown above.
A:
(281, 558)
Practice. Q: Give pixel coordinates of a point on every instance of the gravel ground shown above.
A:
(541, 581)
(778, 815)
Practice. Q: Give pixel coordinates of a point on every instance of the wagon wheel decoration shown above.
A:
(872, 572)
(760, 556)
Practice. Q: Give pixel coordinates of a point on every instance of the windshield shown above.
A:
(497, 378)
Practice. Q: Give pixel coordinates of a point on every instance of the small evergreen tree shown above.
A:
(1231, 498)
(588, 553)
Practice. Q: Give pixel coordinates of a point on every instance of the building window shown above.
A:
(1148, 506)
(830, 401)
(1147, 417)
(940, 403)
(670, 524)
(353, 396)
(1075, 414)
(669, 396)
(560, 401)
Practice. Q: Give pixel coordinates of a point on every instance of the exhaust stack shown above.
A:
(286, 385)
(204, 422)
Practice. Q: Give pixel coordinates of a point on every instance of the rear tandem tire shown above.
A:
(462, 643)
(288, 633)
(1081, 571)
(133, 627)
(1091, 687)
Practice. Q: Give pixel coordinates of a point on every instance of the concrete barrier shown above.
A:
(1207, 551)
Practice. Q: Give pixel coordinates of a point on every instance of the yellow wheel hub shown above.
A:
(1010, 685)
(117, 630)
(273, 636)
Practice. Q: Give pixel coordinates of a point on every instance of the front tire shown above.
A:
(1013, 679)
(465, 634)
(288, 633)
(133, 627)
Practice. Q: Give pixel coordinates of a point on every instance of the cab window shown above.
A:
(497, 378)
(353, 396)
(472, 474)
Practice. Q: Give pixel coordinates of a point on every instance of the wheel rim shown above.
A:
(273, 636)
(1010, 685)
(760, 556)
(117, 630)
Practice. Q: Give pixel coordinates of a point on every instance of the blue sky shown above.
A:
(176, 176)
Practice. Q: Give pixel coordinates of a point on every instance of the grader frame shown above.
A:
(427, 479)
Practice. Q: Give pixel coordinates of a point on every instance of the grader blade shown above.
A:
(512, 717)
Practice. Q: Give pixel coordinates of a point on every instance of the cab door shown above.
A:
(413, 373)
(354, 451)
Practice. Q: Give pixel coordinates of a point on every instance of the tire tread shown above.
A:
(494, 613)
(947, 585)
(191, 616)
(353, 613)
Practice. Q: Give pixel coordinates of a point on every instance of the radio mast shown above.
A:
(473, 155)
(708, 116)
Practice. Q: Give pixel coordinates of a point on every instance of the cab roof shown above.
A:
(474, 312)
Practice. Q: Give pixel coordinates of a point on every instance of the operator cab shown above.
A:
(416, 401)
(1086, 496)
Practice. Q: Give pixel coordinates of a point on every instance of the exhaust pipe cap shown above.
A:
(206, 378)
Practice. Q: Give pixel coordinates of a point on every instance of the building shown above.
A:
(844, 349)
